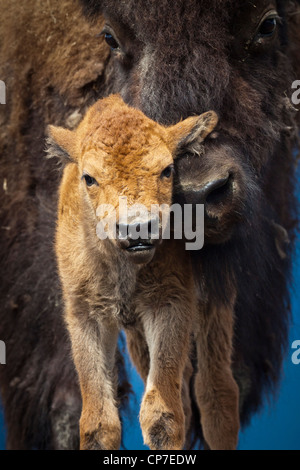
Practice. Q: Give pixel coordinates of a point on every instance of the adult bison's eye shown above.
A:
(267, 27)
(90, 181)
(167, 172)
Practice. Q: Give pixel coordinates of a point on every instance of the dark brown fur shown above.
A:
(54, 66)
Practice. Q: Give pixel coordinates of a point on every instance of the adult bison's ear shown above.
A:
(192, 131)
(61, 144)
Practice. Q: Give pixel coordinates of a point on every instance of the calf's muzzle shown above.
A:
(139, 238)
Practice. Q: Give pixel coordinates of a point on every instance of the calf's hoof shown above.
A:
(104, 436)
(163, 428)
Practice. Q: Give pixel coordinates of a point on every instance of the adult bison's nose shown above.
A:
(210, 193)
(216, 195)
(222, 199)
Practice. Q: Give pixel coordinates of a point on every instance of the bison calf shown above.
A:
(139, 283)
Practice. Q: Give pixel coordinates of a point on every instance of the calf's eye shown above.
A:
(90, 181)
(167, 172)
(111, 41)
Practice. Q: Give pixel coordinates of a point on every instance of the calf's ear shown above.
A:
(61, 144)
(192, 131)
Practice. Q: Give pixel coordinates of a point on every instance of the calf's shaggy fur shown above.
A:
(107, 287)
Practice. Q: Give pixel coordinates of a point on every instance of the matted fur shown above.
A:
(54, 66)
(149, 293)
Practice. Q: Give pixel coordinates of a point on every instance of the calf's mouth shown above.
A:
(140, 245)
(140, 251)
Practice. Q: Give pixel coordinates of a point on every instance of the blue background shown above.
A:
(277, 427)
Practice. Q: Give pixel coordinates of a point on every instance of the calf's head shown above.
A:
(125, 168)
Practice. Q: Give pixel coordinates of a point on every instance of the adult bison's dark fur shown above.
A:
(177, 58)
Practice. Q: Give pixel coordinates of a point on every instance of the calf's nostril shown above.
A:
(147, 231)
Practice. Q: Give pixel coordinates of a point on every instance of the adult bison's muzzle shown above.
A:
(213, 178)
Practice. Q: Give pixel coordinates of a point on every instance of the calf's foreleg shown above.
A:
(139, 353)
(94, 341)
(161, 416)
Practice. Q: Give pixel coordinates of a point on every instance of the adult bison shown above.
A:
(171, 59)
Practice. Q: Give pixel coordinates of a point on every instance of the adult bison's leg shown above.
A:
(216, 390)
(94, 343)
(64, 416)
(186, 399)
(138, 350)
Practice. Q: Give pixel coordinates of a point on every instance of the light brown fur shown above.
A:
(153, 299)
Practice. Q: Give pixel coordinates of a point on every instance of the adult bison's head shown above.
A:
(173, 59)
